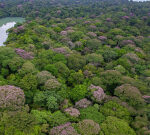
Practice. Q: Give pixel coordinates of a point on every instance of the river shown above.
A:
(5, 24)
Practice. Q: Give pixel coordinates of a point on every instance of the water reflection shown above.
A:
(3, 33)
(7, 23)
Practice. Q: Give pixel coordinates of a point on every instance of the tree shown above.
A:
(97, 93)
(120, 68)
(72, 112)
(132, 57)
(15, 64)
(109, 55)
(19, 122)
(88, 127)
(76, 62)
(124, 62)
(76, 36)
(78, 92)
(95, 59)
(11, 98)
(52, 69)
(44, 58)
(62, 69)
(115, 126)
(52, 103)
(6, 54)
(59, 58)
(58, 118)
(83, 103)
(43, 76)
(93, 44)
(42, 117)
(112, 108)
(27, 68)
(76, 78)
(92, 113)
(48, 99)
(129, 94)
(23, 54)
(52, 84)
(65, 128)
(28, 82)
(111, 79)
(115, 31)
(39, 99)
(140, 124)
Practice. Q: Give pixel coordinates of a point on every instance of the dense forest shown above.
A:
(76, 67)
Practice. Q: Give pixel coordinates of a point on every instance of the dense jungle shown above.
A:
(75, 67)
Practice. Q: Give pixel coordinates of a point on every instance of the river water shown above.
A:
(5, 24)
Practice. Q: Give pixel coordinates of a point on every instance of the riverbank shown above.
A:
(7, 23)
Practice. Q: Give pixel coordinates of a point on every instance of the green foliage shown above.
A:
(44, 58)
(59, 58)
(76, 62)
(58, 118)
(39, 98)
(76, 36)
(73, 44)
(15, 63)
(124, 62)
(88, 127)
(51, 68)
(109, 55)
(43, 76)
(111, 79)
(9, 61)
(129, 94)
(139, 123)
(52, 103)
(6, 54)
(120, 68)
(112, 108)
(146, 73)
(4, 72)
(76, 78)
(18, 122)
(115, 126)
(2, 81)
(78, 92)
(57, 29)
(92, 113)
(96, 81)
(28, 82)
(27, 68)
(42, 117)
(115, 31)
(47, 99)
(95, 59)
(93, 44)
(61, 69)
(91, 68)
(52, 84)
